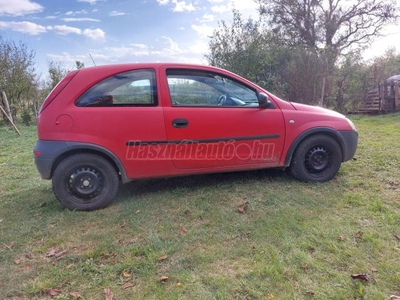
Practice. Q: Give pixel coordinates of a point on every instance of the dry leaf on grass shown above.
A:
(363, 277)
(397, 237)
(126, 274)
(52, 252)
(393, 185)
(312, 293)
(60, 254)
(137, 212)
(67, 282)
(182, 230)
(52, 292)
(394, 297)
(55, 252)
(163, 278)
(75, 295)
(162, 258)
(374, 270)
(341, 238)
(128, 285)
(123, 225)
(243, 207)
(10, 245)
(128, 241)
(359, 234)
(109, 295)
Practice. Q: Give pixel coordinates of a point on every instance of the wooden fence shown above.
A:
(384, 99)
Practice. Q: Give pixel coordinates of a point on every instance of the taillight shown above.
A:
(36, 153)
(57, 89)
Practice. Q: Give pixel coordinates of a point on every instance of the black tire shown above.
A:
(316, 159)
(85, 182)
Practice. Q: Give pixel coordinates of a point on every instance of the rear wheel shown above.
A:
(318, 159)
(85, 182)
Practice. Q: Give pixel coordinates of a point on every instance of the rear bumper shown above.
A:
(46, 153)
(49, 153)
(350, 138)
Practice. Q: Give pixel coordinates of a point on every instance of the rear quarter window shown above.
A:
(133, 88)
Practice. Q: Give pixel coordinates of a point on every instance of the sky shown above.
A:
(120, 31)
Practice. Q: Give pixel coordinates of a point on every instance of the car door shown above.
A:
(214, 121)
(128, 120)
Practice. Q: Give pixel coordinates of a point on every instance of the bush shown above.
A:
(26, 117)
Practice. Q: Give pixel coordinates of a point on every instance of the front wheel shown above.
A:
(316, 159)
(85, 182)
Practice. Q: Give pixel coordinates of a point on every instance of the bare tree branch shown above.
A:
(329, 24)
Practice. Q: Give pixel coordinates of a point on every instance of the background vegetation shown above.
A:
(24, 88)
(309, 51)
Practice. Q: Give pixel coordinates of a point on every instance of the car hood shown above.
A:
(316, 109)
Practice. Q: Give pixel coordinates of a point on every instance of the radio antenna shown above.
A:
(92, 59)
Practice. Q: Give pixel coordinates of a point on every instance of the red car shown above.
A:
(105, 125)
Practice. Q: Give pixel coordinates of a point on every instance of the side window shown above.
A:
(203, 88)
(133, 88)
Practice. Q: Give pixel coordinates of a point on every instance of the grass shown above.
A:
(295, 240)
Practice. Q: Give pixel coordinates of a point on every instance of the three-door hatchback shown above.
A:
(105, 125)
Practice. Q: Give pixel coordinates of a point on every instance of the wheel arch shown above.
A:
(315, 131)
(80, 148)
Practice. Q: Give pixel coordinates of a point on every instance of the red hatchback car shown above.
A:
(109, 124)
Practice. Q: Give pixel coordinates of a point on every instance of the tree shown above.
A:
(303, 73)
(350, 84)
(56, 73)
(328, 27)
(79, 64)
(384, 67)
(244, 48)
(17, 75)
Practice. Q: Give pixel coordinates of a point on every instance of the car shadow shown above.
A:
(194, 182)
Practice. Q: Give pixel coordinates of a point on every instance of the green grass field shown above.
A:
(184, 238)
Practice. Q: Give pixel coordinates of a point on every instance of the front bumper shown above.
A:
(350, 138)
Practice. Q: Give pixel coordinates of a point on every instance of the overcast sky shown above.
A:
(116, 31)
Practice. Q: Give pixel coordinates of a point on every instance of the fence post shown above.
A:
(6, 105)
(8, 113)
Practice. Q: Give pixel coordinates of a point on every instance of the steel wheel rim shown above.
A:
(85, 183)
(317, 159)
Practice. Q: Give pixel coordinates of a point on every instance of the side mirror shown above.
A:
(263, 101)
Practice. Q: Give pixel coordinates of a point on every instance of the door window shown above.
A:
(204, 88)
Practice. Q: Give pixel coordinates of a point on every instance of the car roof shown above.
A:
(155, 65)
(95, 73)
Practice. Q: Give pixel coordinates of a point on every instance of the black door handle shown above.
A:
(180, 123)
